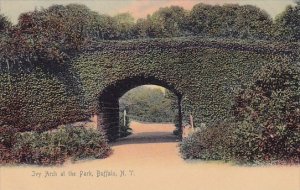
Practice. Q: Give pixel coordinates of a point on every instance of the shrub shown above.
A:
(268, 112)
(267, 122)
(54, 147)
(254, 144)
(208, 143)
(7, 133)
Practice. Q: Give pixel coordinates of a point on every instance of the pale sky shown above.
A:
(138, 8)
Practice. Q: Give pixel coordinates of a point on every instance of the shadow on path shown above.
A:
(146, 137)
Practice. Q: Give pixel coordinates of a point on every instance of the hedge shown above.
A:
(209, 143)
(35, 99)
(266, 123)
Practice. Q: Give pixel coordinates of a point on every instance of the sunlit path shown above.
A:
(148, 133)
(149, 145)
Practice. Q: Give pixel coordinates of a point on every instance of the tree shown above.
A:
(5, 24)
(230, 21)
(148, 104)
(287, 24)
(146, 28)
(48, 36)
(166, 22)
(105, 27)
(124, 25)
(252, 22)
(171, 20)
(269, 110)
(205, 19)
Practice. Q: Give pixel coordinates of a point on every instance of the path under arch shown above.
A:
(148, 144)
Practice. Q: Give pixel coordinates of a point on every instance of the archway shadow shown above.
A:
(146, 137)
(108, 101)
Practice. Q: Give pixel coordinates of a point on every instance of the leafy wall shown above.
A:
(35, 99)
(202, 72)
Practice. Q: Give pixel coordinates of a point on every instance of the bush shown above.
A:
(255, 144)
(267, 122)
(244, 143)
(54, 147)
(208, 143)
(7, 133)
(268, 115)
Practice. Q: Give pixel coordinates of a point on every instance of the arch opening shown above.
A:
(108, 109)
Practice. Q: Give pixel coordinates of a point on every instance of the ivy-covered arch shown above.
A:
(204, 73)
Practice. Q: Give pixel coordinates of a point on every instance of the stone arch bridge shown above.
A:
(202, 73)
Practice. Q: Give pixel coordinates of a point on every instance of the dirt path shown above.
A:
(150, 160)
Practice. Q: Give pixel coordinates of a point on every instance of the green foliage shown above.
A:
(52, 36)
(267, 122)
(51, 73)
(273, 97)
(166, 22)
(38, 93)
(73, 25)
(205, 72)
(148, 104)
(230, 21)
(38, 101)
(208, 143)
(235, 21)
(5, 24)
(48, 36)
(270, 109)
(287, 24)
(256, 144)
(125, 24)
(54, 147)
